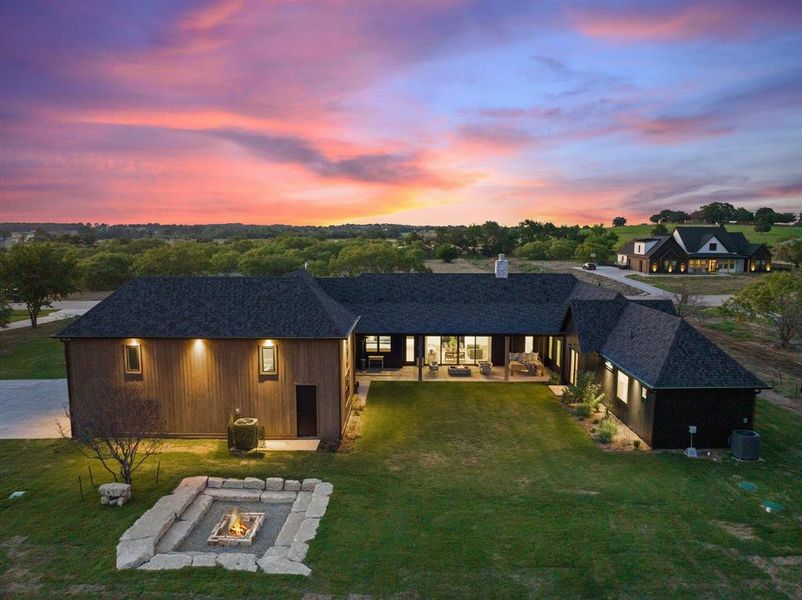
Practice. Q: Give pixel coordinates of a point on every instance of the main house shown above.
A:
(286, 349)
(695, 250)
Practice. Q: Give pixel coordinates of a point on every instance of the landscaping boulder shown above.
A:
(114, 494)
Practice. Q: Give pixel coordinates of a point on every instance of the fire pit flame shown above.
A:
(235, 525)
(236, 528)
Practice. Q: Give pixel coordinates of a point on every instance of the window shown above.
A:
(574, 366)
(377, 343)
(133, 358)
(410, 349)
(529, 344)
(643, 393)
(622, 389)
(550, 348)
(713, 247)
(558, 352)
(267, 359)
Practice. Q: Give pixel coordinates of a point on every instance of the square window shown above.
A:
(643, 393)
(384, 343)
(133, 358)
(267, 360)
(622, 389)
(713, 247)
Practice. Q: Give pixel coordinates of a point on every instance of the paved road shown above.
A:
(655, 292)
(30, 408)
(64, 310)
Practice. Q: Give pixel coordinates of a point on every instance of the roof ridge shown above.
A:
(326, 301)
(680, 323)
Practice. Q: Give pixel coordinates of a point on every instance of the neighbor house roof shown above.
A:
(735, 242)
(216, 307)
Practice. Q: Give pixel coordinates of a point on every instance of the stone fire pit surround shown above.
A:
(151, 541)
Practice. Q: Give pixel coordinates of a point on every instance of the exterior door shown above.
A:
(306, 410)
(711, 266)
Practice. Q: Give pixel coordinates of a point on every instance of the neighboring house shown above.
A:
(695, 250)
(285, 349)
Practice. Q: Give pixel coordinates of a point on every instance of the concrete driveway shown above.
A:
(30, 408)
(622, 276)
(64, 310)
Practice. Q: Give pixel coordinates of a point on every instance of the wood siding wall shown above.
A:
(714, 412)
(199, 383)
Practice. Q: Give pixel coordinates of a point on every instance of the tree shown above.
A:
(669, 216)
(598, 245)
(790, 251)
(373, 256)
(685, 301)
(743, 215)
(533, 251)
(40, 273)
(659, 229)
(182, 258)
(5, 307)
(116, 432)
(106, 270)
(446, 252)
(718, 212)
(264, 261)
(764, 218)
(225, 262)
(562, 249)
(619, 221)
(775, 298)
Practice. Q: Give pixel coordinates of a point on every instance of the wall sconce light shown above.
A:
(752, 267)
(682, 267)
(654, 267)
(768, 267)
(608, 365)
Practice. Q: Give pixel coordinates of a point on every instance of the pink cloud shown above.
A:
(686, 20)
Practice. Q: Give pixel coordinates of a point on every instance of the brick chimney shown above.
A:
(502, 268)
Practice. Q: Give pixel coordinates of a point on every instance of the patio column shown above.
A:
(419, 357)
(506, 358)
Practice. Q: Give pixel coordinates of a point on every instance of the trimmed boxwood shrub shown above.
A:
(244, 434)
(607, 430)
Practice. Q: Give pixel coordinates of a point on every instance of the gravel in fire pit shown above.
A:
(275, 515)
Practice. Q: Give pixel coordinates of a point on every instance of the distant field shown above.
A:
(777, 234)
(699, 284)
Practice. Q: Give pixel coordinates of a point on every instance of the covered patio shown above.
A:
(496, 374)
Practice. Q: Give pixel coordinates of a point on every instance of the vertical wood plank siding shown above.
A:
(199, 383)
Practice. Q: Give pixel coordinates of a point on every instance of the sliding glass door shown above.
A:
(457, 349)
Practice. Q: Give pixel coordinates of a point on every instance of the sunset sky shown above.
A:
(418, 111)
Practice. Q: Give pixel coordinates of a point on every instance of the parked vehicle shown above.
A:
(589, 266)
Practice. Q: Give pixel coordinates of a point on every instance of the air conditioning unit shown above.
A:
(745, 444)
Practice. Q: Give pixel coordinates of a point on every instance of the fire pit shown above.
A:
(236, 529)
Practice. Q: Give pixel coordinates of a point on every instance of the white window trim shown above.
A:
(262, 369)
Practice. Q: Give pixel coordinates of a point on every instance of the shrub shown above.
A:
(586, 391)
(583, 410)
(636, 443)
(607, 430)
(245, 434)
(555, 378)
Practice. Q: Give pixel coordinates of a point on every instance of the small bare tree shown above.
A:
(684, 300)
(118, 431)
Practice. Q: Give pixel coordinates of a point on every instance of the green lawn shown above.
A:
(454, 490)
(777, 234)
(699, 284)
(22, 315)
(29, 353)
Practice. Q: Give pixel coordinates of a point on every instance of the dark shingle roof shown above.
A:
(216, 307)
(663, 351)
(735, 242)
(662, 304)
(435, 303)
